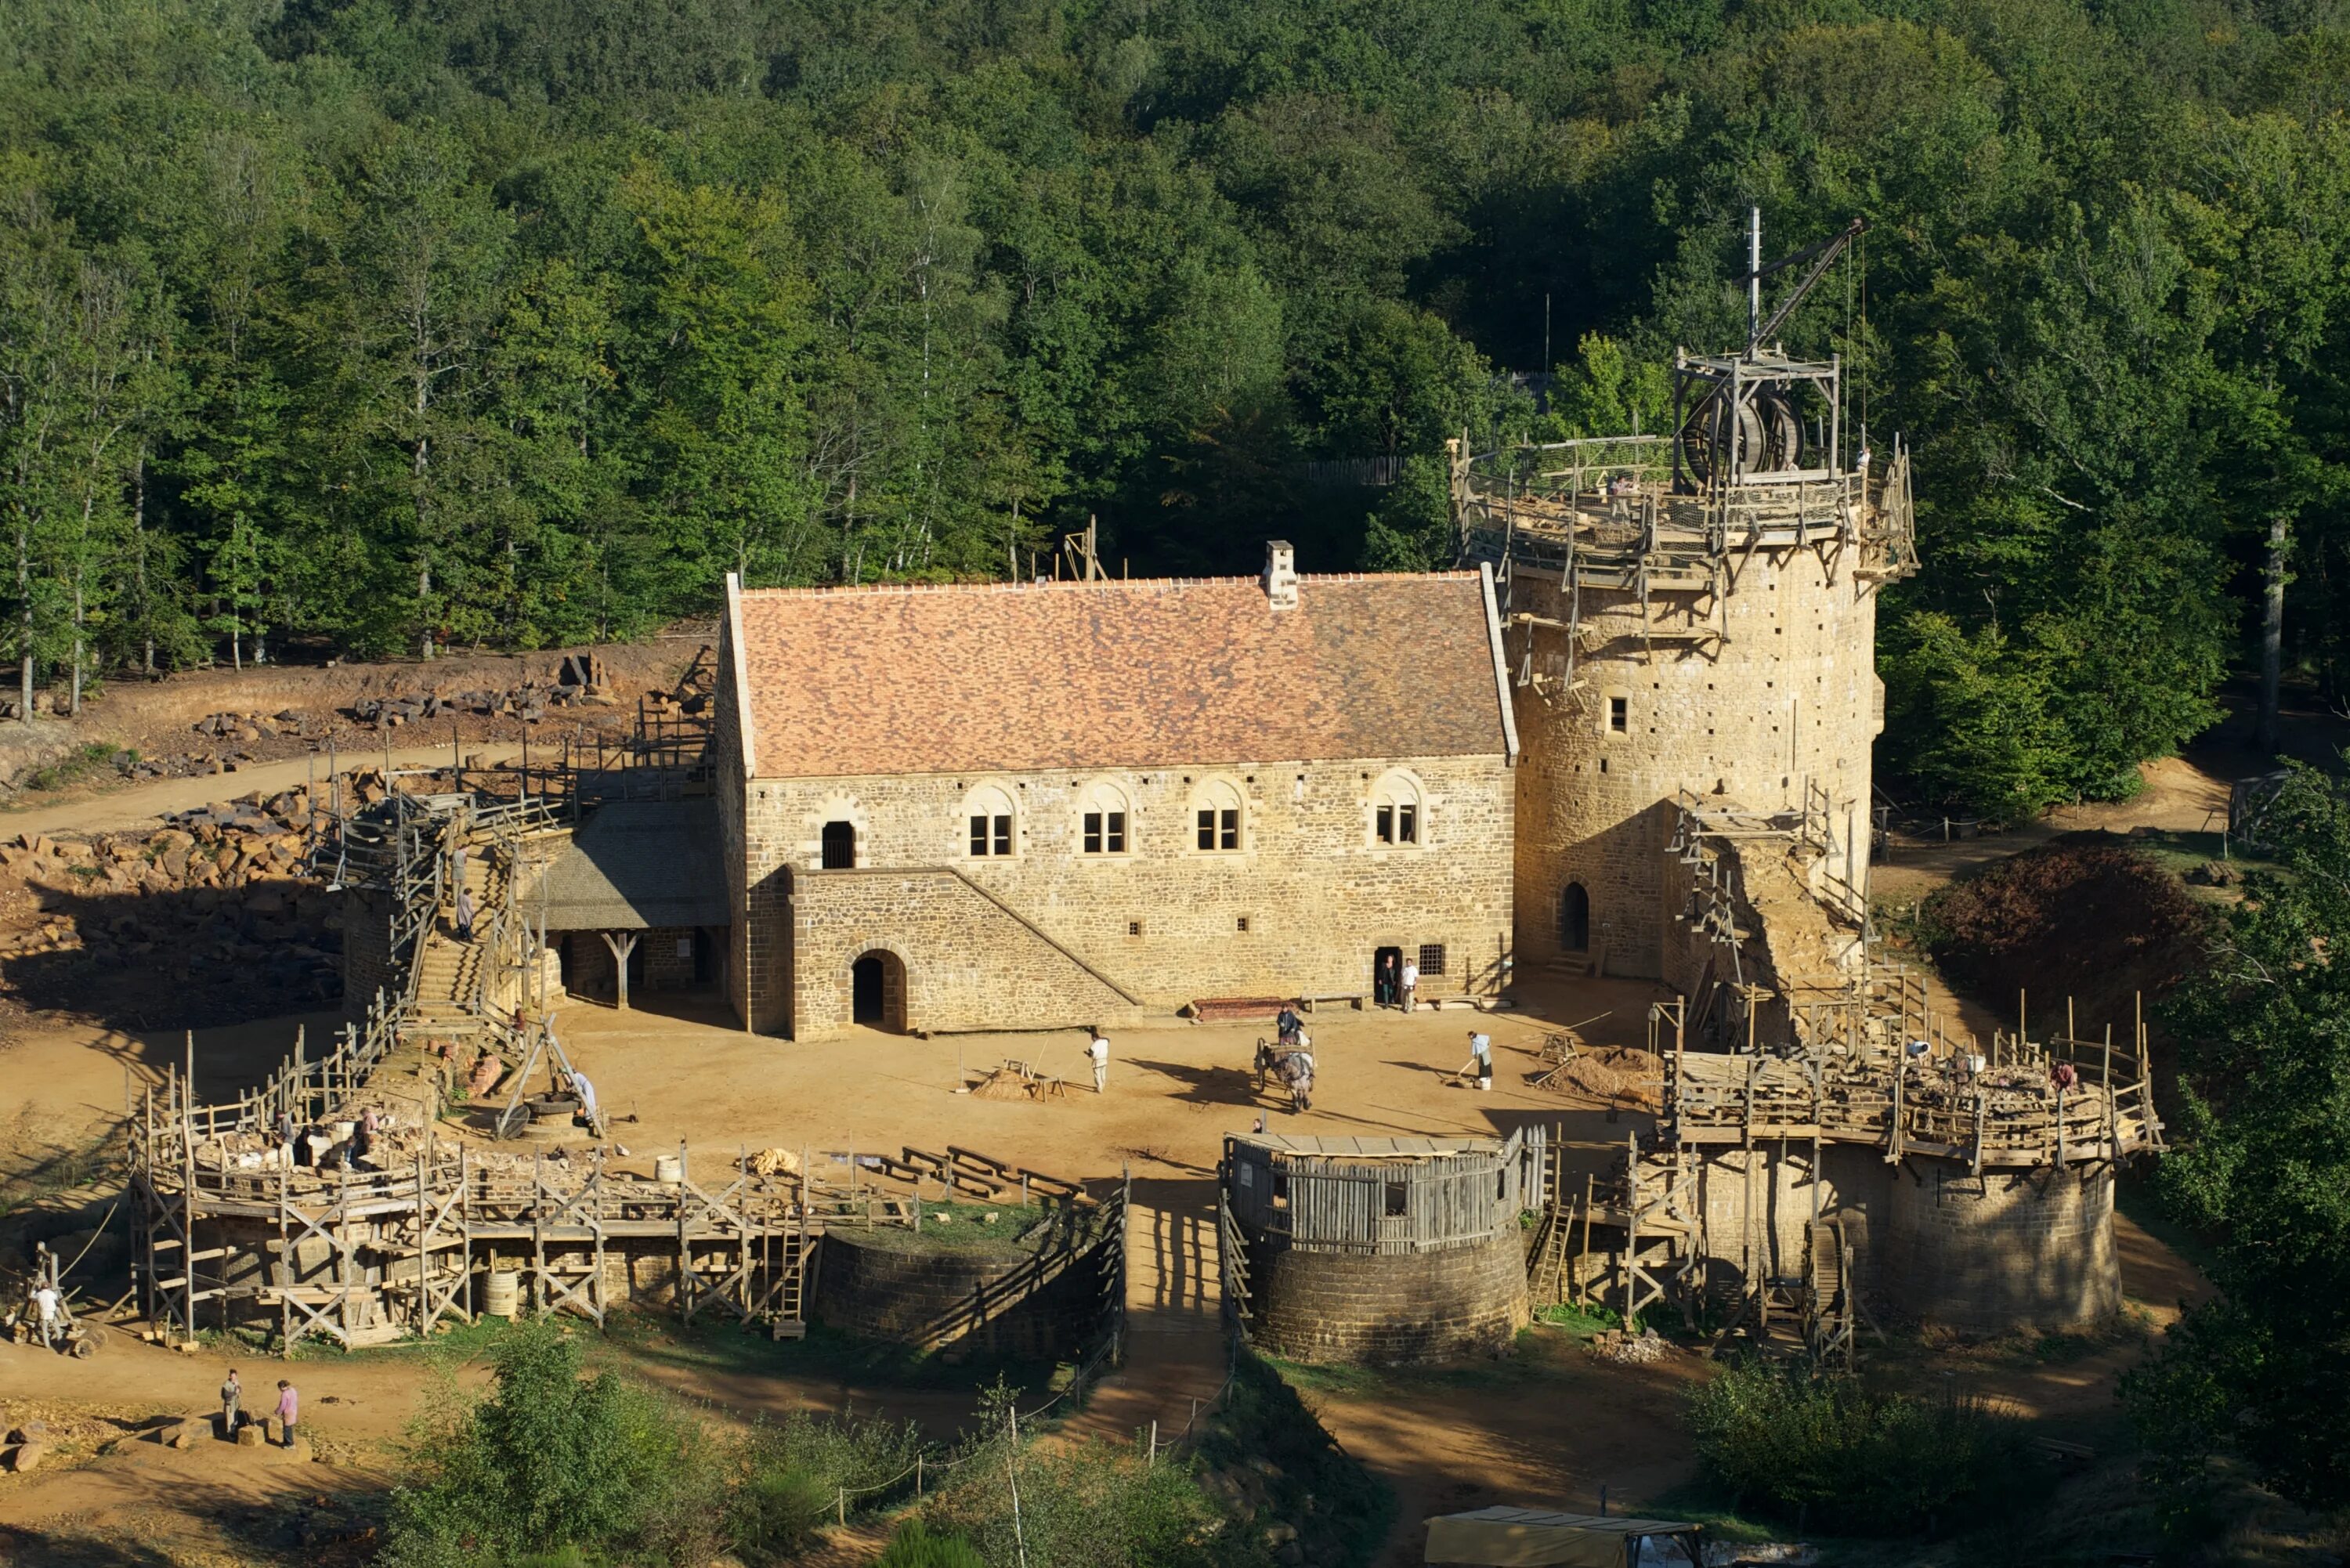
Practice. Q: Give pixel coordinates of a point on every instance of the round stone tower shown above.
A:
(1690, 619)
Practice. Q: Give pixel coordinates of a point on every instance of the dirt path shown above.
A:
(1546, 1428)
(139, 806)
(2182, 794)
(1176, 1353)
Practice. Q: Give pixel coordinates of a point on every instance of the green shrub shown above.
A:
(1093, 1505)
(795, 1470)
(913, 1546)
(1828, 1452)
(552, 1462)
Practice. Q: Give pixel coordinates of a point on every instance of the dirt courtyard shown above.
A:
(688, 1071)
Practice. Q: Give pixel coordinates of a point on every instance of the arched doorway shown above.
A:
(877, 992)
(1574, 919)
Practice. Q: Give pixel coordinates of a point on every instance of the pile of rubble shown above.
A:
(250, 727)
(1630, 1349)
(218, 897)
(529, 702)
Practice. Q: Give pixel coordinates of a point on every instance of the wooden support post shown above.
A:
(622, 947)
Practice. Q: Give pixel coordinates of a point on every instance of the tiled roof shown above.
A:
(1134, 674)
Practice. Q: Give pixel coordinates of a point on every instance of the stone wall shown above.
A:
(1300, 907)
(1790, 695)
(367, 949)
(2002, 1250)
(952, 1299)
(958, 961)
(1850, 1183)
(1387, 1308)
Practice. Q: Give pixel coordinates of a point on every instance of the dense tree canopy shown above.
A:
(400, 324)
(2264, 1173)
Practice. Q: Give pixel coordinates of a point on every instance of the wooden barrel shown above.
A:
(669, 1169)
(502, 1294)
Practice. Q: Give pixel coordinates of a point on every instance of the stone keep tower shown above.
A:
(1689, 619)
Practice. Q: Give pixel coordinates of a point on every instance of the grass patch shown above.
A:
(95, 757)
(1583, 1322)
(956, 1228)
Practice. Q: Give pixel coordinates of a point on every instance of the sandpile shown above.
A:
(773, 1162)
(1000, 1084)
(1616, 1072)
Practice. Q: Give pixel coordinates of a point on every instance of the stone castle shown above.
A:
(1062, 803)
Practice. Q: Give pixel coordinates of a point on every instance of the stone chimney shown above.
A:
(1280, 575)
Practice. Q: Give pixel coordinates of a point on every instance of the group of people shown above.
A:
(288, 1411)
(314, 1147)
(1395, 982)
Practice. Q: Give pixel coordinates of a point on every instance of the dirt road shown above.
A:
(139, 806)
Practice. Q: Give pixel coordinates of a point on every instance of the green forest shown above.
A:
(382, 327)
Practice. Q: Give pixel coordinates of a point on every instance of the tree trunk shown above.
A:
(2271, 731)
(25, 596)
(139, 531)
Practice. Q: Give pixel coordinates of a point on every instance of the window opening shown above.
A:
(991, 833)
(1432, 958)
(1105, 833)
(1396, 1199)
(1619, 713)
(1220, 829)
(839, 845)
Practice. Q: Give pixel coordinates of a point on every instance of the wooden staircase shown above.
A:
(449, 972)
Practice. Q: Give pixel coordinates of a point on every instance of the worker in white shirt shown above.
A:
(1097, 1052)
(1410, 984)
(50, 1307)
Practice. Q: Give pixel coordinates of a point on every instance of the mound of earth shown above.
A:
(2081, 917)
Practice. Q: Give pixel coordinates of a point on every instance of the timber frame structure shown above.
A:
(1638, 1237)
(231, 1230)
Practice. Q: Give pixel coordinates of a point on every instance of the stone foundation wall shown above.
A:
(367, 950)
(1387, 1309)
(2002, 1250)
(963, 1300)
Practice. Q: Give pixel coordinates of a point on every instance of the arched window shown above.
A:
(1217, 817)
(988, 815)
(1398, 815)
(1103, 815)
(840, 846)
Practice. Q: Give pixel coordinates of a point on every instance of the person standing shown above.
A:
(465, 916)
(1097, 1052)
(1409, 997)
(1480, 1056)
(289, 1408)
(50, 1308)
(231, 1396)
(1383, 981)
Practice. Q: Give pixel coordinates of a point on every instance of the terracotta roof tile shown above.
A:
(1134, 674)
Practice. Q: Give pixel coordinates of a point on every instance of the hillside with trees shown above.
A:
(384, 326)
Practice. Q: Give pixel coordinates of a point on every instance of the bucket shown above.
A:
(668, 1169)
(502, 1294)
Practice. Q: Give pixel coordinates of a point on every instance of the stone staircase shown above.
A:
(448, 971)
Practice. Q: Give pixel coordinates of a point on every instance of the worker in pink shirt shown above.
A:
(289, 1408)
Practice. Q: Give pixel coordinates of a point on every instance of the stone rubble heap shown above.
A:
(1630, 1349)
(530, 702)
